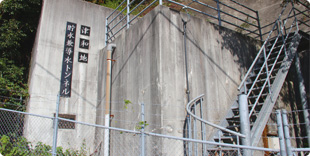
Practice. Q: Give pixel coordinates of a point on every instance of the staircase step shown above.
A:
(272, 60)
(278, 45)
(259, 88)
(280, 40)
(236, 109)
(260, 82)
(237, 126)
(255, 96)
(226, 139)
(278, 64)
(263, 73)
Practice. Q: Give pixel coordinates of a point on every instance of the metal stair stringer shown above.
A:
(268, 105)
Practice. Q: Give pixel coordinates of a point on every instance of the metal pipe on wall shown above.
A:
(108, 99)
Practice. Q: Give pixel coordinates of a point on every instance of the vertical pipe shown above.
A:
(195, 131)
(186, 67)
(238, 143)
(54, 152)
(107, 100)
(142, 131)
(245, 122)
(128, 15)
(220, 133)
(286, 133)
(219, 12)
(160, 2)
(280, 133)
(203, 131)
(303, 97)
(189, 136)
(188, 118)
(259, 27)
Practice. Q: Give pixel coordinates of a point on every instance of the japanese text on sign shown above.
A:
(67, 63)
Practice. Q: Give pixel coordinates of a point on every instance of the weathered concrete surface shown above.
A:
(46, 66)
(149, 68)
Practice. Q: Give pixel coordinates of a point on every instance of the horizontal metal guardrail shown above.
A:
(118, 20)
(257, 30)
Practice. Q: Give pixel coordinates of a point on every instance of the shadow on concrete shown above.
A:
(73, 91)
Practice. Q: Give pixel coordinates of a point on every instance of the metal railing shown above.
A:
(280, 31)
(116, 21)
(298, 13)
(232, 20)
(193, 108)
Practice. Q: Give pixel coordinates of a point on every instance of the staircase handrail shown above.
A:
(272, 48)
(190, 104)
(261, 49)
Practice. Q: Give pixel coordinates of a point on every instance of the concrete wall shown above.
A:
(46, 66)
(149, 68)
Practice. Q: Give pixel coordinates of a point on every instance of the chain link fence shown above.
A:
(80, 138)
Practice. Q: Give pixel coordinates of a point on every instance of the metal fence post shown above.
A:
(55, 127)
(189, 124)
(286, 133)
(219, 12)
(128, 11)
(259, 27)
(280, 133)
(220, 133)
(142, 131)
(245, 122)
(203, 129)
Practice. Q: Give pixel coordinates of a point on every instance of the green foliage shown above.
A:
(13, 87)
(18, 24)
(127, 102)
(141, 124)
(14, 146)
(19, 146)
(115, 3)
(245, 25)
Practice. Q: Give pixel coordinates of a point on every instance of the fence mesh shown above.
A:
(78, 138)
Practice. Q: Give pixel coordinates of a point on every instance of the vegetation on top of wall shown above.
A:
(115, 3)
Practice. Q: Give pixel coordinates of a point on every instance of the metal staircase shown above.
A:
(261, 86)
